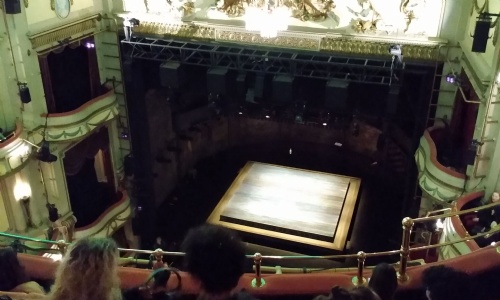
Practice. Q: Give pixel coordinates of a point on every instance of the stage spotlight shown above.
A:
(451, 78)
(43, 154)
(267, 117)
(128, 24)
(324, 124)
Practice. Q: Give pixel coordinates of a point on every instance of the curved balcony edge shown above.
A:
(454, 229)
(437, 181)
(83, 120)
(282, 284)
(14, 152)
(109, 221)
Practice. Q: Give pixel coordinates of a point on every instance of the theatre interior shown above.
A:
(331, 135)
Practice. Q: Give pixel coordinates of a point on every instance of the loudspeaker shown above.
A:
(392, 100)
(12, 7)
(217, 81)
(172, 75)
(283, 88)
(128, 70)
(470, 155)
(241, 84)
(336, 94)
(128, 165)
(480, 39)
(259, 86)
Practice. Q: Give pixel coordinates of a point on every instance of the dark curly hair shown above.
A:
(384, 281)
(447, 283)
(12, 273)
(215, 256)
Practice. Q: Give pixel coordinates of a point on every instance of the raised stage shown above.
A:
(291, 204)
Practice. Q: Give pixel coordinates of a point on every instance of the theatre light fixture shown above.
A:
(43, 153)
(22, 193)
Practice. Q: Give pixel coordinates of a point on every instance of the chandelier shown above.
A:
(267, 20)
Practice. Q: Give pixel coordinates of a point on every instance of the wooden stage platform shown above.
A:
(291, 204)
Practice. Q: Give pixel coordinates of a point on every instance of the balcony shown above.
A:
(77, 123)
(14, 152)
(109, 221)
(441, 183)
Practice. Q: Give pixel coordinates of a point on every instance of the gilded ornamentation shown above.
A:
(411, 10)
(306, 10)
(185, 31)
(349, 46)
(233, 8)
(366, 19)
(280, 41)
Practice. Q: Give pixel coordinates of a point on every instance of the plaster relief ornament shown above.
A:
(177, 9)
(413, 11)
(310, 10)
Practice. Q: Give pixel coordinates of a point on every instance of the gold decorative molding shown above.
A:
(67, 33)
(280, 41)
(376, 48)
(178, 30)
(417, 50)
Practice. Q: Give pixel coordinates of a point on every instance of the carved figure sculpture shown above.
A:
(233, 8)
(306, 10)
(367, 19)
(410, 8)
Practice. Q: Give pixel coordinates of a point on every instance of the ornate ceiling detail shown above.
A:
(285, 41)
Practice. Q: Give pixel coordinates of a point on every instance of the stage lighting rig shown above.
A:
(397, 52)
(128, 25)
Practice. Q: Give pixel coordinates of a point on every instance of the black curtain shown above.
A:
(71, 76)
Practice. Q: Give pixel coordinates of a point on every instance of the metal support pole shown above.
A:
(61, 244)
(258, 281)
(405, 249)
(359, 280)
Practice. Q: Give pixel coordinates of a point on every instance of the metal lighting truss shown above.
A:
(259, 60)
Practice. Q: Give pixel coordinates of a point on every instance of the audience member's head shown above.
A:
(88, 271)
(442, 283)
(215, 256)
(12, 273)
(384, 281)
(357, 293)
(495, 197)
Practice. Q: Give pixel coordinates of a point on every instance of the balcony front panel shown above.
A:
(83, 120)
(14, 152)
(440, 183)
(109, 221)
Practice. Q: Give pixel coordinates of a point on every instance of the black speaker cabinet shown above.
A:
(217, 81)
(392, 100)
(283, 88)
(172, 75)
(12, 7)
(336, 95)
(128, 70)
(481, 32)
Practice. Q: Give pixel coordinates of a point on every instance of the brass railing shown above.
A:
(258, 281)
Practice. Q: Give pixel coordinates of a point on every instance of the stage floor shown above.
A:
(298, 205)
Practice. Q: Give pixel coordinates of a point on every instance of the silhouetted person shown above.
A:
(357, 293)
(384, 281)
(444, 283)
(215, 257)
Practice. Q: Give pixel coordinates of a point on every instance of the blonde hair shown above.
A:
(88, 272)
